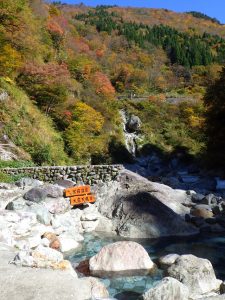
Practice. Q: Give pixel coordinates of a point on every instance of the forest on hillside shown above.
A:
(64, 68)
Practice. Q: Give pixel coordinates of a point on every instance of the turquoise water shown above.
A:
(124, 288)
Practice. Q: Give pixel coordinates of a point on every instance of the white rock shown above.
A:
(76, 214)
(6, 237)
(68, 244)
(121, 256)
(72, 234)
(168, 289)
(90, 208)
(45, 242)
(104, 225)
(41, 229)
(196, 273)
(28, 217)
(34, 241)
(12, 217)
(23, 258)
(168, 260)
(58, 205)
(64, 220)
(89, 217)
(22, 245)
(47, 254)
(22, 229)
(89, 226)
(98, 290)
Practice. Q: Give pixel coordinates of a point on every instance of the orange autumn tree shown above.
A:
(103, 86)
(48, 85)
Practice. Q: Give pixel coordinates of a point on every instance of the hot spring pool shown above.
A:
(124, 288)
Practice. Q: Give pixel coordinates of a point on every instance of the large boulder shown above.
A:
(196, 273)
(42, 213)
(17, 204)
(98, 290)
(9, 193)
(139, 208)
(36, 194)
(133, 124)
(39, 284)
(28, 182)
(57, 206)
(65, 183)
(168, 289)
(126, 257)
(40, 193)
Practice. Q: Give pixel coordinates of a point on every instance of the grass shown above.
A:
(6, 178)
(16, 164)
(29, 128)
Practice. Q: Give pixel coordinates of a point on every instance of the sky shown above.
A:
(213, 8)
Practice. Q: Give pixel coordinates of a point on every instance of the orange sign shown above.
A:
(79, 195)
(77, 190)
(77, 200)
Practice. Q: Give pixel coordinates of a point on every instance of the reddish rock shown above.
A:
(83, 268)
(55, 244)
(50, 236)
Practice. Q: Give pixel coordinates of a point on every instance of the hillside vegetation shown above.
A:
(64, 67)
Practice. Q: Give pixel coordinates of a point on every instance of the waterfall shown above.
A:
(129, 137)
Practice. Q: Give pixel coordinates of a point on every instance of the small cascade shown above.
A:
(130, 136)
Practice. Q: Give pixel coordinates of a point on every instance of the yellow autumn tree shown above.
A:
(83, 136)
(10, 60)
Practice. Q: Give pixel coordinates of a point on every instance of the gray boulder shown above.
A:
(139, 208)
(42, 213)
(196, 273)
(38, 194)
(17, 204)
(28, 182)
(65, 183)
(8, 195)
(197, 198)
(167, 289)
(133, 124)
(53, 191)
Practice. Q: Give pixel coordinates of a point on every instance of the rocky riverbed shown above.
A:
(39, 230)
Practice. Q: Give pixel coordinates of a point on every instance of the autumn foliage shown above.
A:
(75, 63)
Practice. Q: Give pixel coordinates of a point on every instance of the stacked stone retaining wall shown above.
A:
(79, 174)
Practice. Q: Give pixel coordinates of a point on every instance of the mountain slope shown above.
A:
(67, 67)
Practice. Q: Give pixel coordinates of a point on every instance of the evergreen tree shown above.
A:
(215, 121)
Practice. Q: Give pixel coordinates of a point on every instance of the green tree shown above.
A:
(215, 122)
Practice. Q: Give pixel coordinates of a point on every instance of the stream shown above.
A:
(124, 288)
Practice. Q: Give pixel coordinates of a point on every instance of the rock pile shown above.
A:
(207, 213)
(38, 227)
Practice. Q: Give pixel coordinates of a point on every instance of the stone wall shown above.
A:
(79, 174)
